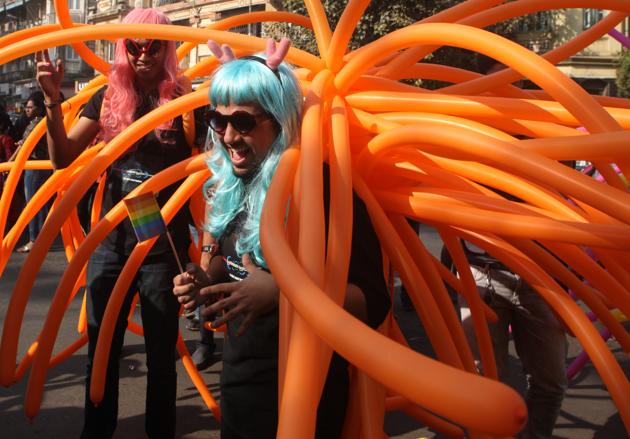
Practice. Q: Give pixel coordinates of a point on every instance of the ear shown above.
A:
(223, 54)
(275, 55)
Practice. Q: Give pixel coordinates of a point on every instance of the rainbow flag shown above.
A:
(145, 216)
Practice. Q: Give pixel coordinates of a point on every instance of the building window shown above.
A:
(590, 17)
(71, 55)
(253, 28)
(74, 5)
(109, 50)
(537, 22)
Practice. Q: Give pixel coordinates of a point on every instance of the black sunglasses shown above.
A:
(241, 121)
(150, 49)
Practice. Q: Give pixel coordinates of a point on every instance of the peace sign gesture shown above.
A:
(49, 75)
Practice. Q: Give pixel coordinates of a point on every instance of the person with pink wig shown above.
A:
(143, 77)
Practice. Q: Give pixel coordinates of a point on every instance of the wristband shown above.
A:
(52, 104)
(211, 248)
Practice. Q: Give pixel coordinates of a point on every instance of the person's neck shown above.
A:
(145, 87)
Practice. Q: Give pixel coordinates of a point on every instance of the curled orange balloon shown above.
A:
(438, 157)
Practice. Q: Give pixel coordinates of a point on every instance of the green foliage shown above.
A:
(380, 18)
(623, 75)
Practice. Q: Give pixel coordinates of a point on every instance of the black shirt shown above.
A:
(249, 378)
(153, 153)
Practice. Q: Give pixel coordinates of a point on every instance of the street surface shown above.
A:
(587, 412)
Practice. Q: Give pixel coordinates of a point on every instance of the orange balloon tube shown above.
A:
(244, 19)
(8, 345)
(441, 393)
(343, 32)
(63, 14)
(321, 28)
(578, 323)
(585, 293)
(306, 354)
(60, 299)
(464, 9)
(197, 379)
(121, 288)
(573, 46)
(420, 255)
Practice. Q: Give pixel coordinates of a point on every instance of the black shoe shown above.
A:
(203, 356)
(193, 325)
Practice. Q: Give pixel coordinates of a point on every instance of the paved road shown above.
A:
(586, 413)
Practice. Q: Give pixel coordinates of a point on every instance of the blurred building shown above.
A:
(191, 13)
(17, 78)
(594, 68)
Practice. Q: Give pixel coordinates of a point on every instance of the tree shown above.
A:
(623, 75)
(380, 18)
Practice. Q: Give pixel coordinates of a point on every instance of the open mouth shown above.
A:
(144, 67)
(240, 155)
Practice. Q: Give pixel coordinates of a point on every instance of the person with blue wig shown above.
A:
(256, 113)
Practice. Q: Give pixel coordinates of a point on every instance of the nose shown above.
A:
(231, 136)
(143, 56)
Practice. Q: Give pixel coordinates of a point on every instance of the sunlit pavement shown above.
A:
(587, 412)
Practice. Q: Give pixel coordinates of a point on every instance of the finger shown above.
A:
(227, 316)
(182, 279)
(222, 288)
(181, 291)
(190, 305)
(46, 55)
(219, 305)
(60, 66)
(38, 57)
(191, 268)
(185, 298)
(191, 272)
(183, 287)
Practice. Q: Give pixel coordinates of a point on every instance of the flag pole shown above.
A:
(179, 263)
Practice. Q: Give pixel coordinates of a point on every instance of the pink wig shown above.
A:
(121, 93)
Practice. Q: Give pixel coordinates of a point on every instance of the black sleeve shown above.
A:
(366, 263)
(92, 109)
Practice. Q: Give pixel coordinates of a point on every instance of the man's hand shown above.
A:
(186, 286)
(255, 295)
(49, 75)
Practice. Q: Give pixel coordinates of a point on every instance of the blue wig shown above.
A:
(241, 82)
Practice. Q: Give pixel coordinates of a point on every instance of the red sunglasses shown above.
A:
(150, 49)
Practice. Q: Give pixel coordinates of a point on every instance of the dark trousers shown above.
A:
(159, 311)
(206, 336)
(250, 410)
(33, 180)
